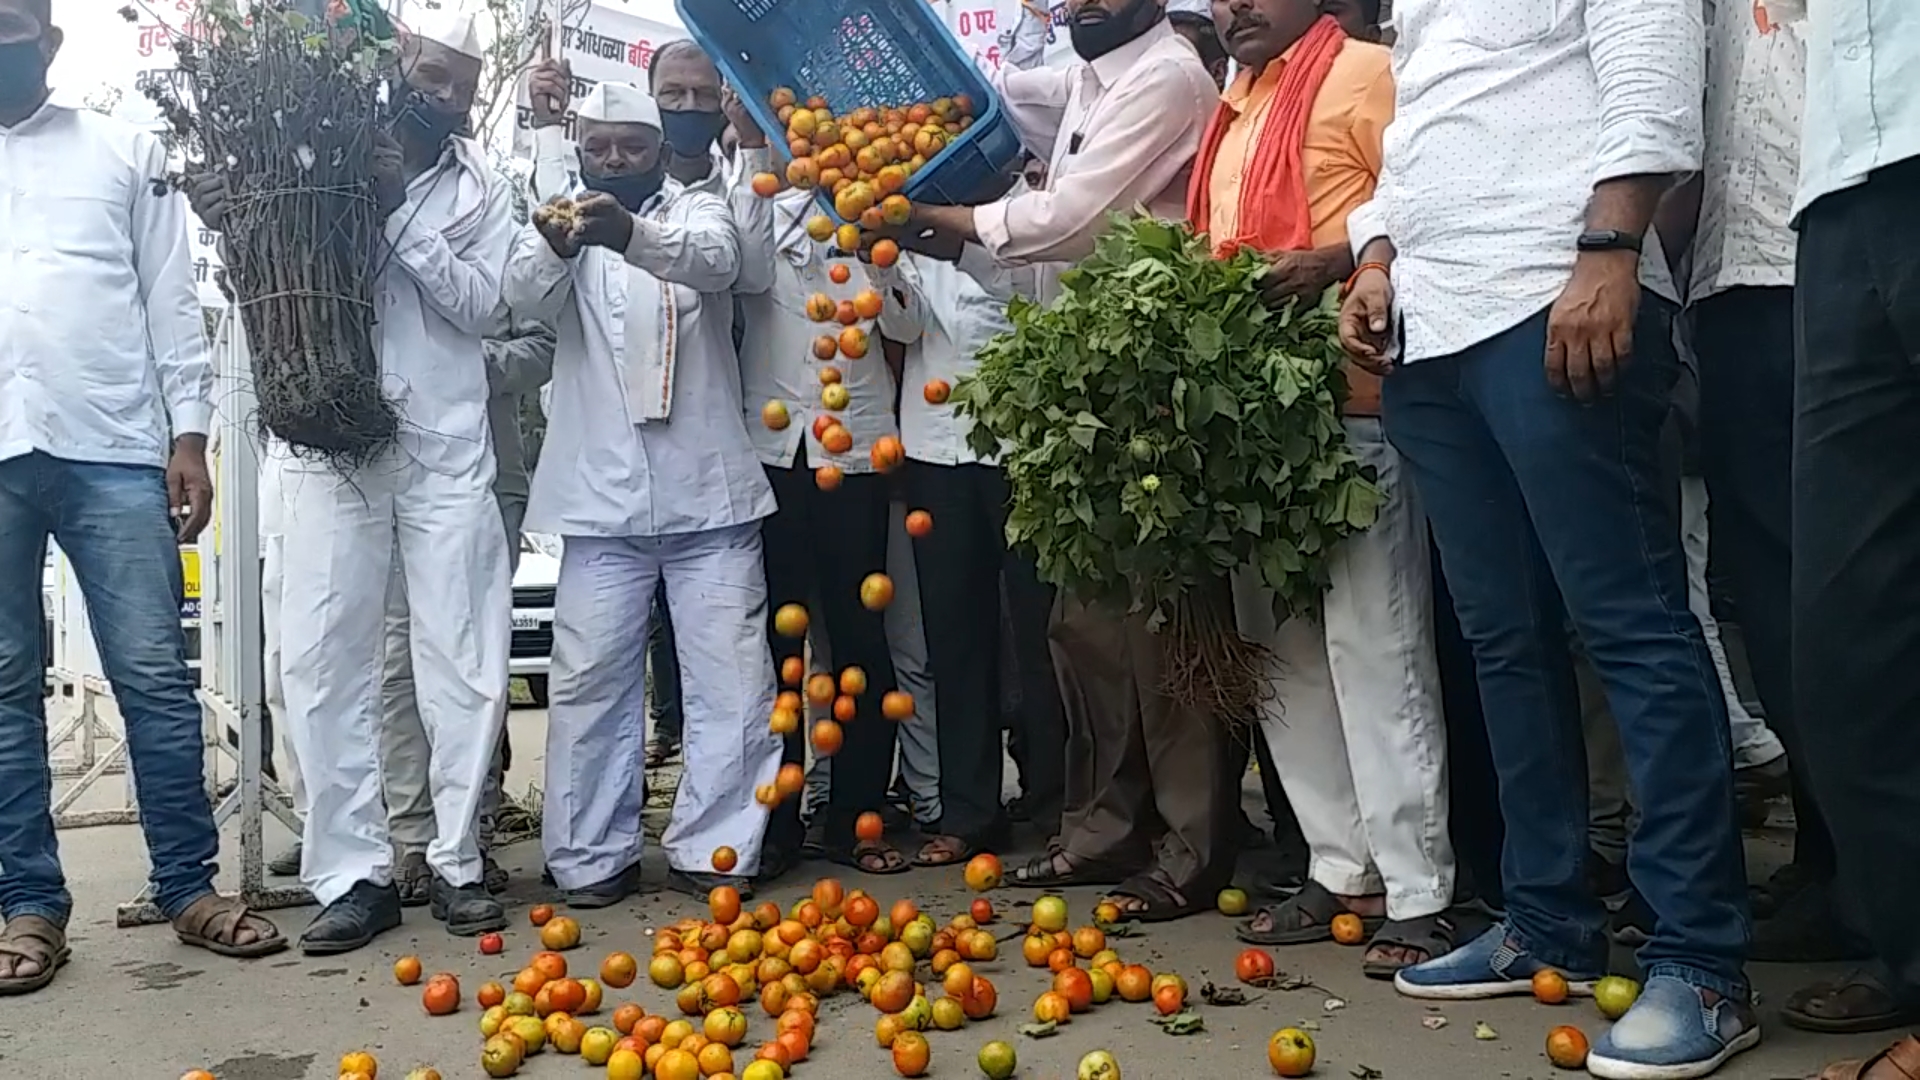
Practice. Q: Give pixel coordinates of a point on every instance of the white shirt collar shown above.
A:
(1111, 68)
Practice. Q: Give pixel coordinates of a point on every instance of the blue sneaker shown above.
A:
(1672, 1034)
(1486, 967)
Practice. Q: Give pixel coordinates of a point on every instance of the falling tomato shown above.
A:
(937, 391)
(919, 523)
(827, 738)
(876, 592)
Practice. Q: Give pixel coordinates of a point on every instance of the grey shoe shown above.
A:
(414, 878)
(492, 876)
(604, 894)
(468, 910)
(285, 864)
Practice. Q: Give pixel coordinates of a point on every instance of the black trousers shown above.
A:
(962, 564)
(1744, 338)
(823, 544)
(1856, 545)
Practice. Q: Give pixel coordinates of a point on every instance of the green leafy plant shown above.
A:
(1161, 426)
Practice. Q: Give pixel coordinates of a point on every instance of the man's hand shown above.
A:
(389, 176)
(209, 196)
(189, 488)
(1590, 329)
(745, 127)
(554, 223)
(1366, 321)
(1304, 274)
(550, 88)
(602, 222)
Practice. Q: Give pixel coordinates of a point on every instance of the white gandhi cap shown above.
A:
(456, 29)
(1191, 7)
(620, 103)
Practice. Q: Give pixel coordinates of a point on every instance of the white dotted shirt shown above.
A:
(1756, 92)
(1507, 113)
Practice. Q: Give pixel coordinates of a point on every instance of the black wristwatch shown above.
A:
(1608, 240)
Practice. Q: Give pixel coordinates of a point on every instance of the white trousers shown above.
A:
(272, 582)
(1354, 722)
(404, 748)
(1754, 743)
(919, 747)
(596, 720)
(346, 538)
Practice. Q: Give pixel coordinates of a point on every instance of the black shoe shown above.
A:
(698, 885)
(353, 921)
(1807, 930)
(285, 864)
(1633, 923)
(1780, 889)
(604, 894)
(468, 910)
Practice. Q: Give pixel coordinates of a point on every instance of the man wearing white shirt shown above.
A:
(1856, 492)
(424, 509)
(945, 316)
(831, 530)
(1741, 303)
(649, 475)
(1499, 287)
(1151, 789)
(103, 431)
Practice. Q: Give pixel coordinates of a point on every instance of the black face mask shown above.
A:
(23, 72)
(424, 120)
(631, 190)
(1096, 37)
(690, 132)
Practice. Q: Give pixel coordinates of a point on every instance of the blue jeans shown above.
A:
(1545, 508)
(112, 523)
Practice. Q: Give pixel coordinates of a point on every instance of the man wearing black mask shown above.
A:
(650, 477)
(425, 511)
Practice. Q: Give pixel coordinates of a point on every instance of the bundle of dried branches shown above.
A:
(287, 106)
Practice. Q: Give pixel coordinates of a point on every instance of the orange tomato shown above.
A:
(406, 970)
(724, 902)
(897, 705)
(1253, 965)
(1567, 1047)
(1052, 1006)
(827, 738)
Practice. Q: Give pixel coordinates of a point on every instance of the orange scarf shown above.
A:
(1274, 214)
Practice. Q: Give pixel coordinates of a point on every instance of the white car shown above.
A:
(533, 588)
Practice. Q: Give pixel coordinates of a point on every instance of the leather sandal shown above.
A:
(1903, 1058)
(214, 922)
(30, 937)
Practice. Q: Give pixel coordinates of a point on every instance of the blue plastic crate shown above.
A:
(858, 53)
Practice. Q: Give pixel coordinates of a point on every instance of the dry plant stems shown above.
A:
(1206, 662)
(287, 108)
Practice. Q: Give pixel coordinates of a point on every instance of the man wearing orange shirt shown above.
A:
(1354, 724)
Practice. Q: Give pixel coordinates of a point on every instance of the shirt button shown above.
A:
(1853, 52)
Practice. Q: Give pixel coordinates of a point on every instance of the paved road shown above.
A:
(136, 1005)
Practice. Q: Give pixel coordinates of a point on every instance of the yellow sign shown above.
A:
(190, 574)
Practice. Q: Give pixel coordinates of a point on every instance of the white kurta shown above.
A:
(428, 505)
(777, 359)
(678, 500)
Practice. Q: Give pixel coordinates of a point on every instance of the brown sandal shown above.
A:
(1903, 1056)
(30, 937)
(214, 922)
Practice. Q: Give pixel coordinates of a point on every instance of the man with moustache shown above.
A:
(1354, 721)
(424, 509)
(650, 477)
(1151, 790)
(103, 432)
